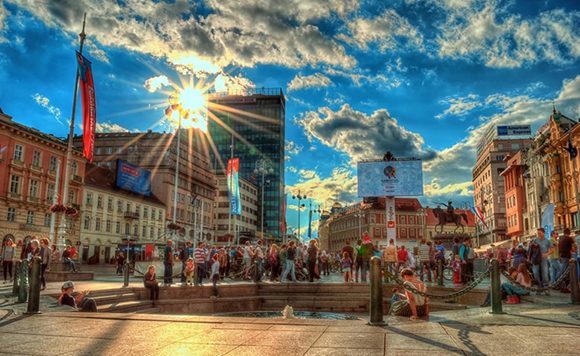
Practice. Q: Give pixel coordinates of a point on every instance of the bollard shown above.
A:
(34, 292)
(22, 293)
(376, 304)
(574, 285)
(496, 306)
(256, 271)
(126, 275)
(16, 276)
(439, 272)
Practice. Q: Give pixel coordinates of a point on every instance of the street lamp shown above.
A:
(263, 167)
(299, 197)
(311, 211)
(359, 214)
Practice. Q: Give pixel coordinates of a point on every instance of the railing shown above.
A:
(131, 215)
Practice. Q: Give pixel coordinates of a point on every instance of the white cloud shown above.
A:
(3, 17)
(459, 106)
(489, 33)
(292, 148)
(155, 83)
(44, 102)
(233, 84)
(363, 136)
(339, 186)
(389, 31)
(316, 80)
(110, 127)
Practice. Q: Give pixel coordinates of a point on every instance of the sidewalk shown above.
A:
(526, 330)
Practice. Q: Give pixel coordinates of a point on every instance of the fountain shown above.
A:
(288, 312)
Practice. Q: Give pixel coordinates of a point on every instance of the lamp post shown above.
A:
(315, 211)
(263, 167)
(299, 197)
(359, 214)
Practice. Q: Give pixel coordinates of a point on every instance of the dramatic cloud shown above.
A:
(45, 103)
(3, 16)
(339, 186)
(291, 149)
(363, 136)
(389, 31)
(155, 83)
(459, 106)
(316, 80)
(487, 32)
(110, 127)
(233, 84)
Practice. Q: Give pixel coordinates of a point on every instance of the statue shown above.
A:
(449, 216)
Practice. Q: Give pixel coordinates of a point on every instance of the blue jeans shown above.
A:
(555, 270)
(510, 289)
(167, 273)
(541, 273)
(290, 268)
(200, 274)
(424, 265)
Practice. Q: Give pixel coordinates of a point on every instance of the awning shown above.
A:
(484, 248)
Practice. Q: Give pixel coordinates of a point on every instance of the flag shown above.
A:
(89, 105)
(3, 149)
(548, 219)
(477, 212)
(234, 186)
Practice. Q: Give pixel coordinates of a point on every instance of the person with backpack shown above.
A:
(467, 255)
(538, 252)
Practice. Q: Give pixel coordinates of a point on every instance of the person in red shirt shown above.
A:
(402, 257)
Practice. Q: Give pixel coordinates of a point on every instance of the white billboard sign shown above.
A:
(514, 130)
(390, 178)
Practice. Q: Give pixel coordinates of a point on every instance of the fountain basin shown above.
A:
(297, 315)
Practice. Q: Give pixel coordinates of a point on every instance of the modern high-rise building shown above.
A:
(251, 126)
(488, 184)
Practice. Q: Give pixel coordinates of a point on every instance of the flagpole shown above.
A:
(69, 149)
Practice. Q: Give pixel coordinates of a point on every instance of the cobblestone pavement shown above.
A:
(524, 330)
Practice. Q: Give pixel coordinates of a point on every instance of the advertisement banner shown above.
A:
(391, 178)
(89, 105)
(133, 178)
(391, 219)
(234, 186)
(514, 130)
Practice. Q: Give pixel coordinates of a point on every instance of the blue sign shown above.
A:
(133, 178)
(514, 130)
(392, 178)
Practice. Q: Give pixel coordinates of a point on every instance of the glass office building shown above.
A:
(257, 116)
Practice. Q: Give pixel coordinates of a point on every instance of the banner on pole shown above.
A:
(89, 105)
(391, 218)
(234, 186)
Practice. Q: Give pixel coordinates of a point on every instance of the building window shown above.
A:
(33, 189)
(72, 198)
(47, 220)
(19, 153)
(128, 207)
(11, 216)
(90, 199)
(159, 216)
(145, 212)
(36, 159)
(52, 164)
(30, 217)
(49, 192)
(119, 206)
(144, 233)
(98, 224)
(99, 202)
(74, 168)
(15, 185)
(127, 229)
(110, 204)
(152, 232)
(136, 230)
(108, 226)
(117, 227)
(87, 223)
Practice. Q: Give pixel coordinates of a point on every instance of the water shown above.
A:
(297, 315)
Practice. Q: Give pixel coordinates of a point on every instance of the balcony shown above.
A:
(77, 179)
(17, 163)
(33, 199)
(131, 215)
(16, 196)
(36, 168)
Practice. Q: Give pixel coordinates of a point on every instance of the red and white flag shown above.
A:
(89, 105)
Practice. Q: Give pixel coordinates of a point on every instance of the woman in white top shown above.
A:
(7, 258)
(413, 305)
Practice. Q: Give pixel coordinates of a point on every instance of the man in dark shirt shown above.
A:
(565, 247)
(168, 263)
(290, 268)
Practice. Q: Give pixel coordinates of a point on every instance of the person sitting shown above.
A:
(79, 301)
(523, 277)
(150, 282)
(413, 305)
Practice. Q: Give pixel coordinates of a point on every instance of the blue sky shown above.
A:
(419, 78)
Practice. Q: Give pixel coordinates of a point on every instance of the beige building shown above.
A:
(243, 226)
(488, 184)
(156, 152)
(111, 218)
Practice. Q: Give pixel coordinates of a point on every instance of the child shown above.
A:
(215, 273)
(397, 295)
(456, 266)
(346, 264)
(189, 271)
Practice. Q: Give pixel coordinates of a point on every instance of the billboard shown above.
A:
(133, 178)
(234, 186)
(513, 130)
(392, 178)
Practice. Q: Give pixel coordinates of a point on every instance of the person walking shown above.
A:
(150, 282)
(274, 262)
(538, 252)
(8, 252)
(323, 260)
(358, 260)
(312, 256)
(424, 260)
(367, 250)
(467, 255)
(45, 256)
(390, 257)
(565, 248)
(402, 258)
(350, 250)
(215, 274)
(120, 259)
(554, 258)
(168, 263)
(346, 264)
(259, 259)
(200, 263)
(290, 268)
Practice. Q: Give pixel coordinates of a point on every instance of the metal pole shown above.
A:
(496, 306)
(376, 304)
(194, 223)
(310, 221)
(574, 286)
(69, 148)
(440, 272)
(15, 284)
(22, 293)
(575, 175)
(34, 292)
(201, 221)
(176, 181)
(262, 203)
(52, 232)
(299, 200)
(230, 189)
(126, 274)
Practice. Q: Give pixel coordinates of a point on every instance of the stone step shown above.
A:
(147, 311)
(125, 307)
(112, 298)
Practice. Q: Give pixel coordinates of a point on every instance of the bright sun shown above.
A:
(192, 99)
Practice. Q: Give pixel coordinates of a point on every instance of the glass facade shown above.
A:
(257, 119)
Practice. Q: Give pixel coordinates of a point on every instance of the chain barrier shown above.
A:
(455, 294)
(538, 289)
